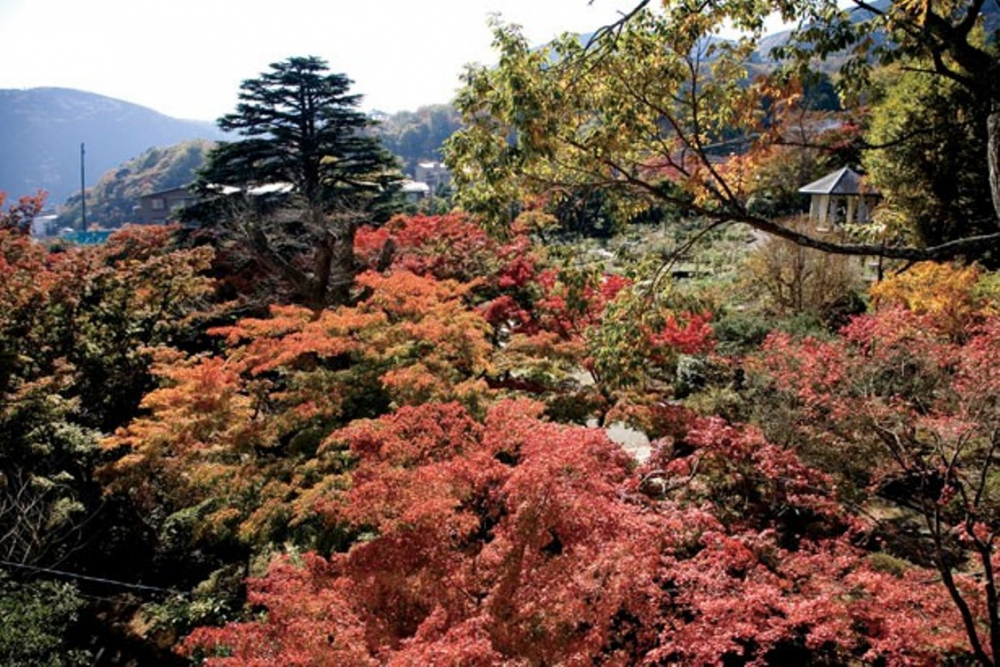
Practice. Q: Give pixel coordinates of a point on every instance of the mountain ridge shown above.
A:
(41, 130)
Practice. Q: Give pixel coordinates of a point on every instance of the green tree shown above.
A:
(944, 38)
(652, 107)
(304, 143)
(929, 166)
(36, 617)
(418, 135)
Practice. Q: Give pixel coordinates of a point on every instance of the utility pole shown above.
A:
(83, 189)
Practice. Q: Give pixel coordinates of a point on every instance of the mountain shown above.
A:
(41, 130)
(111, 203)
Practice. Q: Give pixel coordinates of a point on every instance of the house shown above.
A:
(157, 208)
(839, 198)
(414, 191)
(434, 174)
(44, 224)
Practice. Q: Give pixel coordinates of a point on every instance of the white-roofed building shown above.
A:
(415, 191)
(840, 197)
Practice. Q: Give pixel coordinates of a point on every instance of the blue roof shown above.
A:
(87, 238)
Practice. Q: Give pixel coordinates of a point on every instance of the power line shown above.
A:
(83, 189)
(84, 577)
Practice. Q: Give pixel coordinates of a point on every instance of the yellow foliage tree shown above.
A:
(946, 292)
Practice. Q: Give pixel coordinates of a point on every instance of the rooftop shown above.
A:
(844, 181)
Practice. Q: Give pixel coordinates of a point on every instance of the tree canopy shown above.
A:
(658, 109)
(418, 135)
(407, 478)
(300, 125)
(405, 450)
(301, 178)
(929, 163)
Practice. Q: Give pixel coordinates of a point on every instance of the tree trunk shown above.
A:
(334, 267)
(322, 263)
(993, 146)
(342, 267)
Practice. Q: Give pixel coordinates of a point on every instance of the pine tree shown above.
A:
(300, 180)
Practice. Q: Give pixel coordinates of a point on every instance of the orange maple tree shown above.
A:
(239, 427)
(20, 214)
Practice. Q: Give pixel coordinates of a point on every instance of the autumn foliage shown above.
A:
(519, 541)
(77, 330)
(432, 510)
(505, 538)
(906, 400)
(405, 479)
(551, 323)
(20, 214)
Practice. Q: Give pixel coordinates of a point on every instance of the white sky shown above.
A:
(186, 58)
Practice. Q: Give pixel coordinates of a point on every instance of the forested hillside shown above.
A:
(312, 432)
(415, 136)
(112, 202)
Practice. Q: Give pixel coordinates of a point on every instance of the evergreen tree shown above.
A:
(929, 134)
(302, 177)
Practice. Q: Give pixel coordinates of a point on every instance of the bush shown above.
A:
(34, 621)
(790, 279)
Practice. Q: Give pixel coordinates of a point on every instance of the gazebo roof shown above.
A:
(844, 181)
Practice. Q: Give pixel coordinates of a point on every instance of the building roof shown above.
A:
(161, 193)
(415, 186)
(844, 181)
(255, 191)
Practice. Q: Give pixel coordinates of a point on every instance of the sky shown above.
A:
(187, 58)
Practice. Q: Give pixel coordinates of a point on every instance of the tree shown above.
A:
(512, 540)
(903, 408)
(36, 617)
(226, 439)
(650, 108)
(76, 330)
(794, 280)
(941, 38)
(418, 135)
(305, 173)
(21, 214)
(929, 166)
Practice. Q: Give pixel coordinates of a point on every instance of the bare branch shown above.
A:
(616, 27)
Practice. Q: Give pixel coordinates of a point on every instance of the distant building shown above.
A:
(158, 208)
(44, 224)
(839, 198)
(415, 191)
(434, 174)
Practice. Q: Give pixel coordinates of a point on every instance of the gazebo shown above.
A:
(838, 198)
